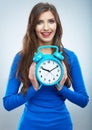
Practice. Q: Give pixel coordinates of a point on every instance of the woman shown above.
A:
(45, 108)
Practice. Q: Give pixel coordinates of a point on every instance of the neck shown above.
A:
(46, 51)
(44, 43)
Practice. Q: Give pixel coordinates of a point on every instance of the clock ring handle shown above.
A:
(48, 46)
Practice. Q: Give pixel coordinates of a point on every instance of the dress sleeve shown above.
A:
(79, 96)
(13, 98)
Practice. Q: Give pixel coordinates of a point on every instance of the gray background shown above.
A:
(76, 17)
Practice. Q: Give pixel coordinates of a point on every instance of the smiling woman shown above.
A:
(46, 28)
(45, 108)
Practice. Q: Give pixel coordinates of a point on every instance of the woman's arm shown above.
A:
(13, 98)
(79, 95)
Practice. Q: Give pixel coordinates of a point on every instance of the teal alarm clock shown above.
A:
(49, 69)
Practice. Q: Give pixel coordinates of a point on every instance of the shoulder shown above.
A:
(70, 55)
(17, 57)
(69, 52)
(15, 62)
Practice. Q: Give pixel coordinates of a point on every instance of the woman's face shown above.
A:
(46, 28)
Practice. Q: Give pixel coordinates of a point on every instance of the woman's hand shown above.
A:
(32, 76)
(63, 79)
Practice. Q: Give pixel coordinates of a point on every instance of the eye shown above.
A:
(51, 21)
(39, 22)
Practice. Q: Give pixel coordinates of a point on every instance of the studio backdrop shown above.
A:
(76, 19)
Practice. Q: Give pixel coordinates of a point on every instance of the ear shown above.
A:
(58, 55)
(37, 57)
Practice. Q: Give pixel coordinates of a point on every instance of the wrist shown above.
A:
(59, 88)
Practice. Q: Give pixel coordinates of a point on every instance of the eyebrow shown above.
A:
(51, 18)
(48, 19)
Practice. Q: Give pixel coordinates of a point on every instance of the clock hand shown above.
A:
(45, 69)
(54, 68)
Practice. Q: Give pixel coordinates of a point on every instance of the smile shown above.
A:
(46, 34)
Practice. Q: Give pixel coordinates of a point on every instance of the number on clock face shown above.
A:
(49, 72)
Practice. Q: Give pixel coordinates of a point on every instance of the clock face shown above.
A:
(49, 72)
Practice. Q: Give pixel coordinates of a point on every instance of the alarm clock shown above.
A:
(49, 69)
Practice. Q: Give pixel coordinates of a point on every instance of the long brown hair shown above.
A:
(30, 43)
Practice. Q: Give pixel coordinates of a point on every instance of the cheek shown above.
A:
(54, 27)
(38, 29)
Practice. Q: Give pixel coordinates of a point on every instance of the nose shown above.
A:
(46, 26)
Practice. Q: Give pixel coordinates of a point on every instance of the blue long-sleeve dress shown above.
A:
(45, 109)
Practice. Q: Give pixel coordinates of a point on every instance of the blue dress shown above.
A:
(45, 109)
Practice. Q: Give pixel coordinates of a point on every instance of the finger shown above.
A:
(63, 81)
(32, 71)
(65, 70)
(64, 76)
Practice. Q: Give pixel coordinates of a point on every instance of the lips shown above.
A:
(46, 34)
